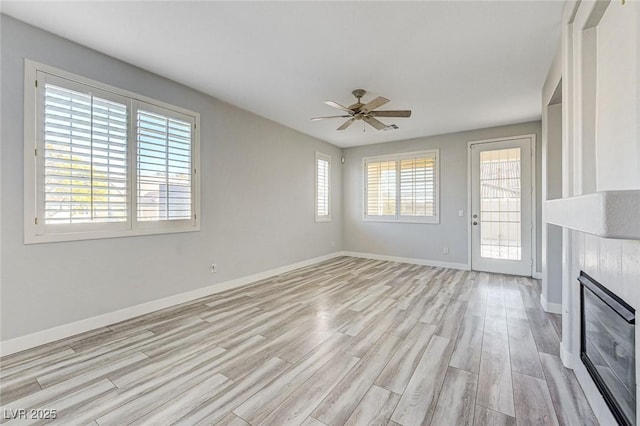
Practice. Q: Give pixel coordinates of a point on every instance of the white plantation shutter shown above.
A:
(323, 179)
(85, 156)
(417, 186)
(381, 188)
(402, 187)
(164, 152)
(103, 162)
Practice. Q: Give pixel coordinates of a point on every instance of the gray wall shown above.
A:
(552, 287)
(424, 241)
(257, 202)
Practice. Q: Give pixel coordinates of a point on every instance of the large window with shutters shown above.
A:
(323, 187)
(103, 162)
(402, 187)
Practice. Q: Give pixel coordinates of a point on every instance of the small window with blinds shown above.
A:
(323, 187)
(402, 188)
(106, 162)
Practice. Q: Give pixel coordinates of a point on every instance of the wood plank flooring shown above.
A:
(347, 341)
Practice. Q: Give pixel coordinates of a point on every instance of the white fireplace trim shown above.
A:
(607, 214)
(595, 398)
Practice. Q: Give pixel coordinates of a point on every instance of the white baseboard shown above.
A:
(537, 275)
(67, 330)
(425, 262)
(554, 308)
(566, 356)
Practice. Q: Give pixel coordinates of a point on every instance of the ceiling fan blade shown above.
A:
(375, 123)
(399, 113)
(346, 124)
(331, 116)
(338, 106)
(377, 102)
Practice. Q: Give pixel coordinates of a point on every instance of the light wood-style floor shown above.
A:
(348, 341)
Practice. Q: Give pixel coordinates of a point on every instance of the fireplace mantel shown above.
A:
(607, 214)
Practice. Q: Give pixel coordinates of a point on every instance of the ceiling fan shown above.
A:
(365, 112)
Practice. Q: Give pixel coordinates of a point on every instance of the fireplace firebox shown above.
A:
(608, 347)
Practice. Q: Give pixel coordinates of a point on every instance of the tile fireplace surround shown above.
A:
(602, 239)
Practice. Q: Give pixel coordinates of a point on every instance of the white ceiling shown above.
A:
(457, 65)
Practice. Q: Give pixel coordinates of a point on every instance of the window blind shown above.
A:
(417, 187)
(105, 162)
(322, 187)
(381, 188)
(85, 157)
(402, 187)
(164, 153)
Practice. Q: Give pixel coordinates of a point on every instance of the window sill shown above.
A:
(99, 235)
(424, 221)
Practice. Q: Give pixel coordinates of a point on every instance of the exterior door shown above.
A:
(501, 219)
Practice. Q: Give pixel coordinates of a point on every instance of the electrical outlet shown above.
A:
(214, 268)
(445, 250)
(461, 213)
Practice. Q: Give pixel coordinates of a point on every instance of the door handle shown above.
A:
(475, 223)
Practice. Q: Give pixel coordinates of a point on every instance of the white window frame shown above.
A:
(327, 217)
(35, 230)
(398, 218)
